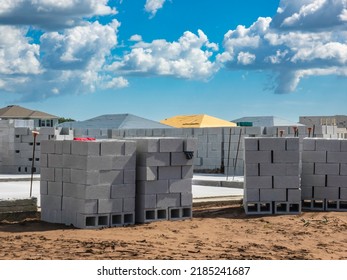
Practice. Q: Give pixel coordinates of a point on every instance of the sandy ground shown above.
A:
(215, 232)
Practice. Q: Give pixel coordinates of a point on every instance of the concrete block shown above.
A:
(293, 195)
(67, 147)
(152, 187)
(123, 191)
(58, 175)
(186, 199)
(51, 202)
(51, 216)
(92, 221)
(327, 168)
(47, 147)
(272, 144)
(343, 145)
(252, 169)
(114, 148)
(286, 182)
(146, 173)
(190, 145)
(43, 187)
(86, 192)
(292, 169)
(258, 182)
(258, 208)
(197, 162)
(146, 201)
(148, 145)
(124, 162)
(343, 169)
(314, 156)
(150, 215)
(55, 161)
(75, 205)
(168, 200)
(270, 169)
(129, 204)
(55, 188)
(309, 144)
(180, 213)
(292, 144)
(85, 177)
(306, 192)
(254, 130)
(337, 157)
(169, 172)
(44, 160)
(171, 145)
(112, 177)
(85, 148)
(257, 157)
(153, 159)
(130, 148)
(187, 172)
(337, 181)
(129, 176)
(313, 180)
(343, 193)
(326, 193)
(58, 147)
(180, 186)
(251, 195)
(47, 174)
(286, 156)
(273, 194)
(287, 208)
(66, 175)
(331, 145)
(307, 168)
(110, 205)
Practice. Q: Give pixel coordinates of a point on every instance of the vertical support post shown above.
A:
(35, 133)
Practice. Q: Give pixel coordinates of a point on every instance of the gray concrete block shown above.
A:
(43, 187)
(92, 221)
(309, 144)
(85, 177)
(187, 172)
(293, 195)
(272, 144)
(169, 172)
(55, 188)
(129, 204)
(307, 168)
(51, 216)
(66, 175)
(254, 130)
(273, 194)
(47, 147)
(123, 191)
(314, 156)
(286, 157)
(146, 201)
(124, 162)
(327, 168)
(270, 169)
(148, 145)
(251, 194)
(130, 148)
(58, 175)
(186, 199)
(171, 145)
(47, 174)
(110, 205)
(84, 206)
(129, 176)
(180, 186)
(168, 200)
(252, 169)
(337, 157)
(286, 182)
(146, 173)
(313, 180)
(152, 187)
(85, 148)
(86, 192)
(331, 145)
(257, 156)
(292, 169)
(67, 147)
(343, 145)
(306, 192)
(292, 144)
(51, 202)
(153, 159)
(258, 182)
(343, 169)
(180, 213)
(190, 145)
(44, 160)
(326, 193)
(112, 148)
(55, 161)
(112, 177)
(343, 193)
(337, 181)
(58, 147)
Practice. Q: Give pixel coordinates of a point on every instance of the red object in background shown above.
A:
(84, 139)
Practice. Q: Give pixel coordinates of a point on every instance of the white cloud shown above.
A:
(51, 14)
(135, 38)
(117, 82)
(187, 58)
(304, 38)
(152, 6)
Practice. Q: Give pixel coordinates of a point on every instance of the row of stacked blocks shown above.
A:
(272, 178)
(115, 182)
(280, 180)
(324, 174)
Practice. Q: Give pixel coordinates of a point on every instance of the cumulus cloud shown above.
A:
(152, 6)
(187, 58)
(305, 38)
(51, 14)
(135, 38)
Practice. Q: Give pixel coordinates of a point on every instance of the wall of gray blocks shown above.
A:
(272, 176)
(88, 184)
(324, 174)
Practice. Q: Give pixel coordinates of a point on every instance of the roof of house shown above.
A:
(115, 121)
(201, 120)
(267, 121)
(18, 112)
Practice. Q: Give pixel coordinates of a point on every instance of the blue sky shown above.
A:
(157, 58)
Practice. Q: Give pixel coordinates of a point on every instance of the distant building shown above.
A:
(265, 121)
(41, 119)
(197, 121)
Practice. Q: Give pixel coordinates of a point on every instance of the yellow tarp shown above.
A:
(197, 121)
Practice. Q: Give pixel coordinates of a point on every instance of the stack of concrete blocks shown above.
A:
(88, 184)
(324, 174)
(63, 133)
(272, 177)
(164, 175)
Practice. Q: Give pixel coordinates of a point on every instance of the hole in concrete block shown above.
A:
(281, 207)
(187, 212)
(162, 214)
(116, 219)
(31, 144)
(331, 204)
(103, 220)
(128, 218)
(318, 204)
(175, 213)
(150, 215)
(17, 151)
(306, 203)
(294, 207)
(26, 169)
(265, 207)
(252, 207)
(17, 136)
(30, 159)
(19, 169)
(343, 205)
(90, 221)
